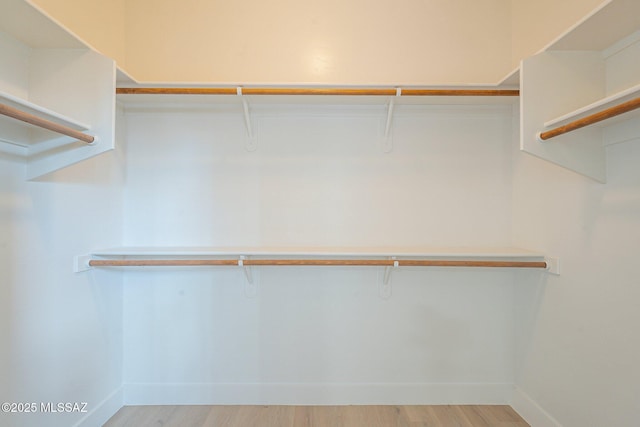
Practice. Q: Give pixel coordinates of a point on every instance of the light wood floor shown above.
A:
(317, 416)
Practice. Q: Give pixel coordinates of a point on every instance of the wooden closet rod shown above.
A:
(315, 262)
(159, 262)
(460, 92)
(591, 119)
(14, 113)
(314, 91)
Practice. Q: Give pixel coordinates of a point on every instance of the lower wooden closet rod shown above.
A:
(314, 262)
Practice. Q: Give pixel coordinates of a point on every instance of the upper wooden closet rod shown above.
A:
(12, 112)
(314, 91)
(591, 119)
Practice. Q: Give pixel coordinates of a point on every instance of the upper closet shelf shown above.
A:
(583, 92)
(604, 27)
(343, 251)
(57, 101)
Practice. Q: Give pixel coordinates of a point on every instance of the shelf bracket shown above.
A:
(384, 280)
(387, 270)
(247, 270)
(251, 143)
(387, 141)
(250, 284)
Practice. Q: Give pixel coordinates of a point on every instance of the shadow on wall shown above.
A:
(529, 295)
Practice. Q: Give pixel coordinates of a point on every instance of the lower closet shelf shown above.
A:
(297, 256)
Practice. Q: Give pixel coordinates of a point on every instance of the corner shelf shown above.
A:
(581, 78)
(52, 78)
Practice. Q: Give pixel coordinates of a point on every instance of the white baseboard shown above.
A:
(531, 412)
(316, 394)
(100, 413)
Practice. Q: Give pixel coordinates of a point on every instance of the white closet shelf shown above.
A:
(24, 124)
(41, 112)
(319, 256)
(610, 22)
(597, 106)
(57, 102)
(582, 92)
(344, 251)
(27, 23)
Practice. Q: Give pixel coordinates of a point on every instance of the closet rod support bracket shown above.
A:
(251, 282)
(387, 139)
(553, 265)
(81, 263)
(251, 143)
(387, 270)
(384, 280)
(247, 269)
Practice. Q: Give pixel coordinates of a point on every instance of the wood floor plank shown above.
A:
(452, 416)
(471, 414)
(187, 416)
(132, 416)
(373, 416)
(422, 416)
(310, 416)
(500, 416)
(250, 416)
(317, 416)
(121, 417)
(221, 415)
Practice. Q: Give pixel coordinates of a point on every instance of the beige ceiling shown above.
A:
(353, 42)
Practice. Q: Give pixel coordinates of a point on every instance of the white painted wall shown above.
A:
(14, 62)
(319, 177)
(578, 336)
(60, 332)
